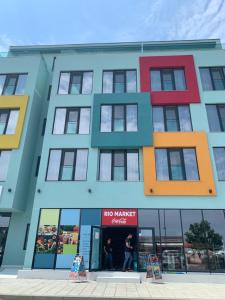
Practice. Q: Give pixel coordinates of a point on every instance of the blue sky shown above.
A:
(28, 22)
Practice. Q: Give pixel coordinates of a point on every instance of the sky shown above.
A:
(35, 22)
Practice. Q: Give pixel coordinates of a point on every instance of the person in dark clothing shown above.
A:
(128, 253)
(108, 254)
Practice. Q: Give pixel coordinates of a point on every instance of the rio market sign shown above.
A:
(119, 217)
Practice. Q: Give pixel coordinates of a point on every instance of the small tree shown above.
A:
(202, 236)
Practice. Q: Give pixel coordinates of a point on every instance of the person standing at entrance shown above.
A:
(128, 253)
(108, 254)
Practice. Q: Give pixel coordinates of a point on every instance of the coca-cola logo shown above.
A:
(119, 221)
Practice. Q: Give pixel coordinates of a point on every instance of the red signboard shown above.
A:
(119, 217)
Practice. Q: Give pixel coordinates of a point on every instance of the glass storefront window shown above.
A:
(215, 238)
(194, 240)
(171, 241)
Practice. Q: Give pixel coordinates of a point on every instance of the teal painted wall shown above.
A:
(143, 137)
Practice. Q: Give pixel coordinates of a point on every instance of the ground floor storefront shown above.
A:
(185, 240)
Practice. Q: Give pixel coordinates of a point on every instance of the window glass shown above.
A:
(155, 80)
(119, 122)
(84, 120)
(21, 84)
(68, 166)
(194, 240)
(60, 118)
(105, 166)
(167, 78)
(119, 84)
(75, 85)
(213, 119)
(10, 85)
(3, 121)
(81, 164)
(132, 166)
(12, 122)
(171, 119)
(219, 155)
(171, 239)
(206, 79)
(119, 166)
(221, 109)
(87, 83)
(217, 78)
(4, 164)
(158, 119)
(161, 164)
(2, 82)
(72, 121)
(131, 117)
(131, 81)
(64, 83)
(176, 165)
(215, 238)
(190, 162)
(179, 79)
(184, 118)
(106, 118)
(54, 165)
(107, 82)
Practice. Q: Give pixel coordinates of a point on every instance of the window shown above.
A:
(12, 84)
(26, 237)
(4, 164)
(67, 165)
(123, 81)
(72, 120)
(213, 78)
(119, 165)
(172, 118)
(219, 155)
(216, 116)
(118, 118)
(75, 83)
(167, 80)
(176, 164)
(8, 121)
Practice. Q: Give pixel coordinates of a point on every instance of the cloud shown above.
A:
(6, 42)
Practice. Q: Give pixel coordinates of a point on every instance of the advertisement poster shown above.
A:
(77, 269)
(46, 242)
(153, 268)
(85, 239)
(68, 239)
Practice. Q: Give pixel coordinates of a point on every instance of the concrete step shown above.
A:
(119, 277)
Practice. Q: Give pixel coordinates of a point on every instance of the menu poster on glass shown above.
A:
(85, 239)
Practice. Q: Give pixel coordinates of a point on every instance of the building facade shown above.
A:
(99, 141)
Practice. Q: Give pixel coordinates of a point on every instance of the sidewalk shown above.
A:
(65, 289)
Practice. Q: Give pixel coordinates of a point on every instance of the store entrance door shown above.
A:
(146, 246)
(118, 236)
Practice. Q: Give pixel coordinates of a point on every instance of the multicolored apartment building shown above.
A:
(101, 140)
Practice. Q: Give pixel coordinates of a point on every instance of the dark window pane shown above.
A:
(206, 79)
(190, 162)
(119, 84)
(221, 109)
(176, 165)
(68, 165)
(119, 121)
(10, 85)
(2, 82)
(171, 119)
(167, 78)
(158, 119)
(72, 122)
(213, 119)
(161, 164)
(119, 166)
(219, 155)
(215, 238)
(194, 240)
(3, 121)
(75, 87)
(217, 78)
(155, 80)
